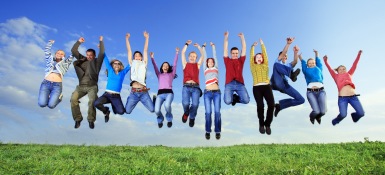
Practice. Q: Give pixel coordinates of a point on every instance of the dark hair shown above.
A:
(169, 69)
(255, 56)
(207, 61)
(91, 50)
(140, 53)
(234, 48)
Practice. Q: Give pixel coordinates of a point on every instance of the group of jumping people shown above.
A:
(87, 68)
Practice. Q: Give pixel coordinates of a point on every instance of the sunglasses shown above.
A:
(117, 63)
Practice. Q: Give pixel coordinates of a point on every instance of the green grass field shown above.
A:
(343, 158)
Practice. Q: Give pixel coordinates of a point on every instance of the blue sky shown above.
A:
(337, 29)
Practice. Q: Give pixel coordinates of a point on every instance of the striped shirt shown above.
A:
(51, 66)
(211, 74)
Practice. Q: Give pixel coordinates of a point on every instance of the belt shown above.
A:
(191, 84)
(315, 90)
(144, 89)
(350, 96)
(214, 90)
(112, 93)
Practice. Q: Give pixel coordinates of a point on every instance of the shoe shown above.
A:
(207, 135)
(184, 118)
(293, 75)
(107, 116)
(235, 99)
(77, 124)
(277, 109)
(92, 125)
(262, 129)
(218, 135)
(318, 120)
(169, 124)
(191, 122)
(160, 125)
(268, 130)
(312, 120)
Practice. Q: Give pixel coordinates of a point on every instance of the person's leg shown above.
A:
(277, 78)
(75, 109)
(312, 98)
(147, 101)
(242, 93)
(208, 97)
(186, 95)
(343, 107)
(56, 90)
(229, 91)
(92, 96)
(44, 93)
(257, 92)
(356, 104)
(167, 106)
(269, 97)
(132, 101)
(99, 103)
(296, 100)
(117, 104)
(217, 112)
(322, 105)
(195, 102)
(158, 104)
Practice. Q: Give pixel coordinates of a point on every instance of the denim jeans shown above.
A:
(167, 99)
(215, 98)
(317, 101)
(80, 92)
(279, 82)
(239, 88)
(49, 94)
(114, 99)
(264, 92)
(193, 93)
(343, 107)
(135, 97)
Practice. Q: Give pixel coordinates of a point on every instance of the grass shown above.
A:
(343, 158)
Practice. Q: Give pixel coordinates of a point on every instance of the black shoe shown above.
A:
(268, 130)
(262, 129)
(277, 109)
(191, 122)
(153, 99)
(184, 118)
(77, 124)
(218, 135)
(160, 125)
(235, 99)
(207, 135)
(293, 75)
(318, 120)
(92, 125)
(312, 120)
(107, 116)
(169, 124)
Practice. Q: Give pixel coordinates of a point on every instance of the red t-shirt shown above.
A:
(191, 72)
(234, 69)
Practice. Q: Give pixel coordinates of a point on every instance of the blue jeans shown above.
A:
(215, 98)
(279, 82)
(167, 99)
(49, 94)
(343, 107)
(239, 88)
(317, 101)
(135, 97)
(114, 99)
(193, 93)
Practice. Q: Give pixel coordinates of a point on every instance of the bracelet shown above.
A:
(186, 44)
(203, 45)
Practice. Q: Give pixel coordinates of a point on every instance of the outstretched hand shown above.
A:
(360, 51)
(128, 35)
(81, 40)
(255, 43)
(290, 40)
(260, 41)
(226, 33)
(241, 35)
(188, 41)
(51, 41)
(325, 58)
(296, 49)
(211, 43)
(152, 54)
(196, 45)
(146, 34)
(177, 49)
(100, 38)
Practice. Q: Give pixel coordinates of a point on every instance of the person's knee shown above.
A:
(227, 101)
(42, 104)
(120, 112)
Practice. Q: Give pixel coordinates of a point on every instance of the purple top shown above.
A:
(165, 79)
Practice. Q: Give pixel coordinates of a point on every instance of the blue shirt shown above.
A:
(313, 74)
(114, 81)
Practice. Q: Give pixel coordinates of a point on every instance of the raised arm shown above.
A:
(353, 68)
(214, 55)
(286, 48)
(204, 54)
(226, 45)
(303, 63)
(107, 62)
(129, 52)
(252, 53)
(175, 60)
(184, 62)
(145, 50)
(201, 57)
(243, 52)
(296, 50)
(331, 71)
(157, 72)
(317, 60)
(47, 50)
(264, 53)
(75, 51)
(100, 58)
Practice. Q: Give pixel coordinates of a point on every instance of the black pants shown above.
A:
(260, 92)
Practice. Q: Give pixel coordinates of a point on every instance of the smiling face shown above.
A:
(258, 58)
(192, 57)
(117, 65)
(59, 55)
(310, 63)
(210, 62)
(138, 56)
(165, 67)
(234, 53)
(341, 69)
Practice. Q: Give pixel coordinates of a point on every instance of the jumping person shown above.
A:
(279, 82)
(166, 74)
(346, 90)
(235, 91)
(316, 95)
(259, 67)
(191, 89)
(87, 70)
(50, 93)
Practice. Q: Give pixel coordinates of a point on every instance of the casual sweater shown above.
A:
(260, 72)
(191, 72)
(234, 69)
(52, 66)
(211, 74)
(313, 74)
(165, 79)
(114, 81)
(345, 78)
(87, 71)
(138, 71)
